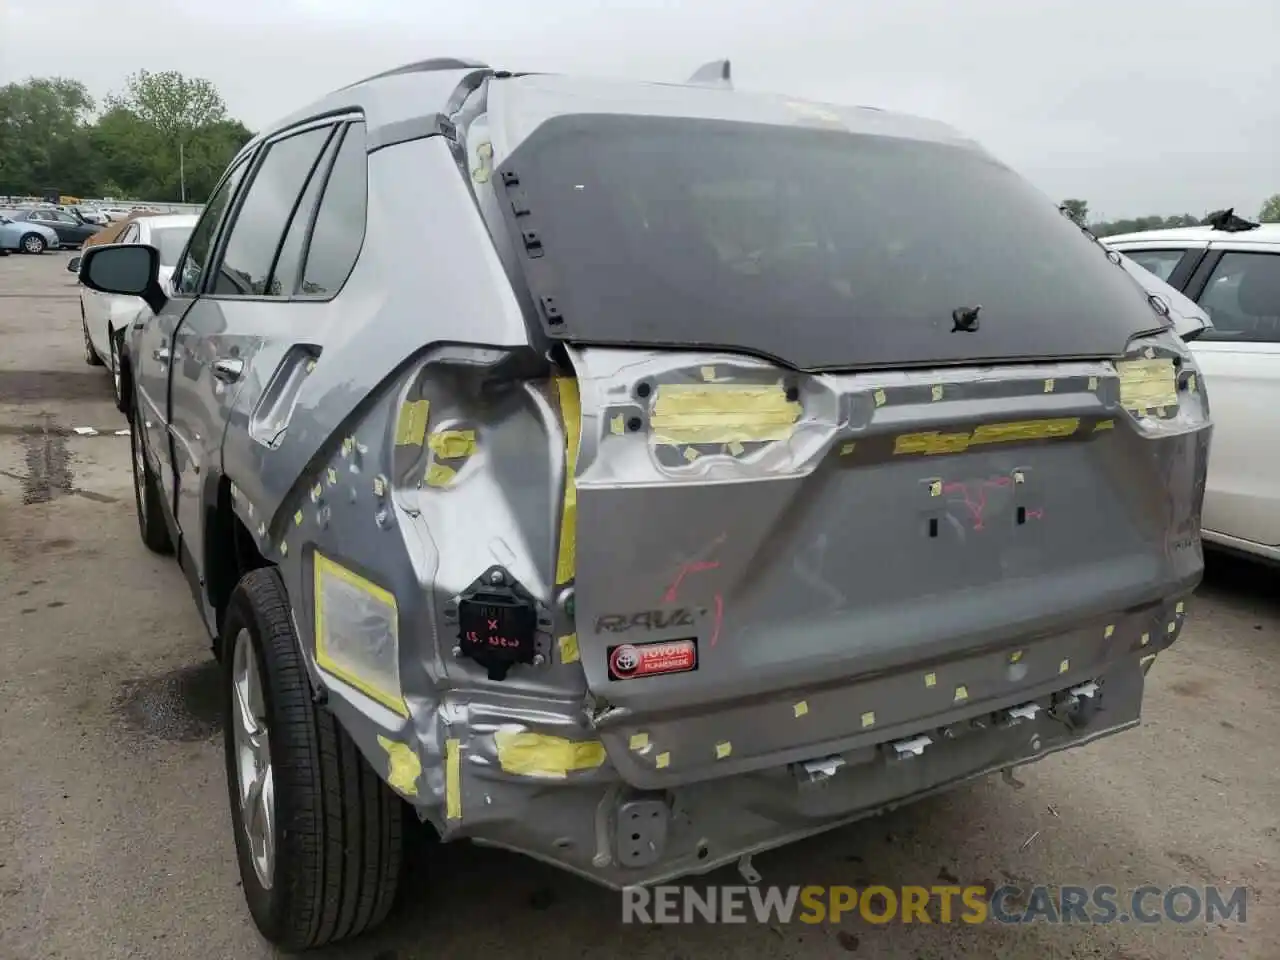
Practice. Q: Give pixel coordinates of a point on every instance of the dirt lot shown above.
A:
(114, 831)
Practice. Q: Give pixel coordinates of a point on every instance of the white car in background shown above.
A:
(105, 316)
(1232, 270)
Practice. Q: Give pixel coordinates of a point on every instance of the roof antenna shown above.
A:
(713, 74)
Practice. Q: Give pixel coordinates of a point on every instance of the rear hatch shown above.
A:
(869, 435)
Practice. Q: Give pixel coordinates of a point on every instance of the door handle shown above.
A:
(228, 369)
(161, 354)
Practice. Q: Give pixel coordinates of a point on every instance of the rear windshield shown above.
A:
(819, 248)
(170, 241)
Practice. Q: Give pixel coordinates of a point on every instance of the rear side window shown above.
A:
(1242, 298)
(259, 225)
(189, 276)
(340, 222)
(1159, 262)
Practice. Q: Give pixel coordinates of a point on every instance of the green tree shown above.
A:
(179, 113)
(43, 135)
(1077, 210)
(1270, 212)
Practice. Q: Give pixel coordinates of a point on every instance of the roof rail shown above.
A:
(713, 74)
(424, 66)
(1227, 221)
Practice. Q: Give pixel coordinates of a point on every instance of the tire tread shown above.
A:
(343, 830)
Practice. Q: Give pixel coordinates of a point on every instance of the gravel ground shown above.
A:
(114, 832)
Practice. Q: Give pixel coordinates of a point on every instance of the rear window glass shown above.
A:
(821, 248)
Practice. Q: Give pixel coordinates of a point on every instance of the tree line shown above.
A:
(1078, 210)
(144, 142)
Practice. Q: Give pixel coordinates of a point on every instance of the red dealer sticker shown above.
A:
(630, 660)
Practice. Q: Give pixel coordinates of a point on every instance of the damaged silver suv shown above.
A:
(642, 476)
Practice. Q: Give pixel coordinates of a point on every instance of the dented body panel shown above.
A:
(639, 611)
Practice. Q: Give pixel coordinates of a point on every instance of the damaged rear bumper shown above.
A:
(538, 781)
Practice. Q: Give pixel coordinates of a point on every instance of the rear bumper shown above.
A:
(559, 798)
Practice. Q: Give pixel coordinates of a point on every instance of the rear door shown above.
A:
(151, 337)
(218, 349)
(1238, 285)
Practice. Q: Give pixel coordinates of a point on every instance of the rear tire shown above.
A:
(336, 831)
(33, 243)
(146, 498)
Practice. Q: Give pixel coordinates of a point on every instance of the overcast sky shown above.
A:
(1138, 106)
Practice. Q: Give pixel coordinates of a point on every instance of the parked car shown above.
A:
(1232, 269)
(22, 236)
(702, 470)
(104, 317)
(90, 215)
(70, 230)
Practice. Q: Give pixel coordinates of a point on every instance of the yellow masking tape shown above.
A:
(568, 648)
(880, 398)
(1147, 383)
(662, 761)
(639, 741)
(452, 780)
(452, 444)
(962, 693)
(616, 426)
(1146, 639)
(869, 718)
(1022, 431)
(690, 454)
(438, 475)
(937, 391)
(848, 448)
(1110, 629)
(571, 414)
(297, 519)
(323, 567)
(404, 766)
(930, 679)
(1064, 666)
(538, 755)
(935, 488)
(801, 708)
(709, 374)
(723, 749)
(722, 413)
(1048, 385)
(1180, 607)
(332, 476)
(735, 448)
(411, 425)
(1104, 425)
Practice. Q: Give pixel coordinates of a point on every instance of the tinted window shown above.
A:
(170, 241)
(260, 222)
(1243, 297)
(339, 229)
(201, 246)
(284, 278)
(823, 248)
(1159, 262)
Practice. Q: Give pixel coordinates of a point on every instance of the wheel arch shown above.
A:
(230, 552)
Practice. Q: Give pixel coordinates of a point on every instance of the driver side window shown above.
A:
(187, 277)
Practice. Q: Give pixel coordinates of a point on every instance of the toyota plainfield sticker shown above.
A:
(629, 661)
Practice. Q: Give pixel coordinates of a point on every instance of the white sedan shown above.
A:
(1232, 270)
(104, 316)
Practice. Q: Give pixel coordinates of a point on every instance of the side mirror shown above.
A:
(127, 269)
(73, 265)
